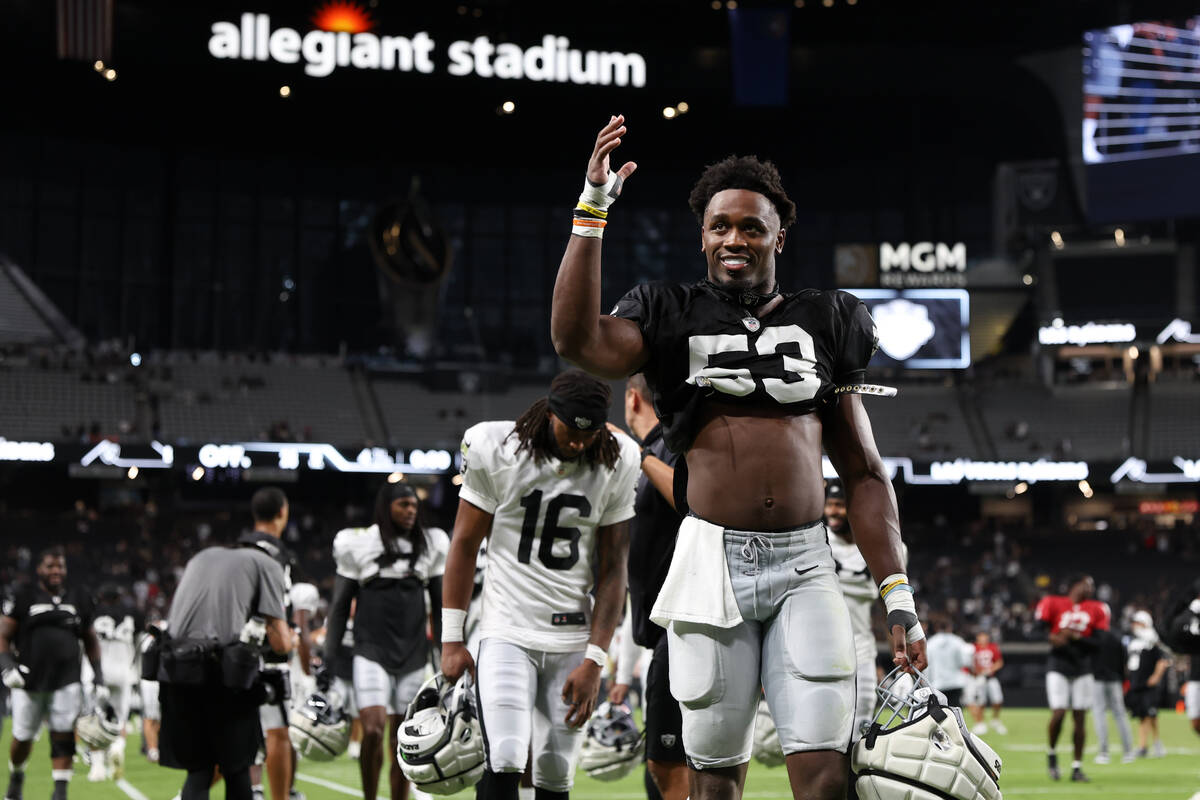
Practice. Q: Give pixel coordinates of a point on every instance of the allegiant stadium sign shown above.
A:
(321, 50)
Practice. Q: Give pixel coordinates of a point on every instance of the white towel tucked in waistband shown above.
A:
(697, 588)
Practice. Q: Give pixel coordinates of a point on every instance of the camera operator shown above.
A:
(227, 602)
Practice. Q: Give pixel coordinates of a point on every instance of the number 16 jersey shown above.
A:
(543, 538)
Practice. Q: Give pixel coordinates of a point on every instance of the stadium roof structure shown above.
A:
(27, 316)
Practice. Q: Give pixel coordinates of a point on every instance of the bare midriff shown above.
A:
(756, 468)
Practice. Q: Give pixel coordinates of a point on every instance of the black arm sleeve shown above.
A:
(435, 610)
(344, 591)
(1184, 632)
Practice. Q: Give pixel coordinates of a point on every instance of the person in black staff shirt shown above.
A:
(651, 546)
(211, 725)
(47, 620)
(270, 510)
(1183, 634)
(1147, 665)
(1108, 668)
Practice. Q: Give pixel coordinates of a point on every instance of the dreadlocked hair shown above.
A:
(389, 533)
(532, 428)
(743, 172)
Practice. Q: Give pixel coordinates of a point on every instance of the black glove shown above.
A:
(324, 678)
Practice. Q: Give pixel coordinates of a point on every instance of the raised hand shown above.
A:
(607, 141)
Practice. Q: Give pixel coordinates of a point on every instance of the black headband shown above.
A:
(400, 491)
(579, 414)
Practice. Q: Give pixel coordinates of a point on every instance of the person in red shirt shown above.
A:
(1071, 619)
(984, 687)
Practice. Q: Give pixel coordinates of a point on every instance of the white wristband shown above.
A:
(453, 621)
(601, 197)
(590, 228)
(597, 654)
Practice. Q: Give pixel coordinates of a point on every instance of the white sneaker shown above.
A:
(1158, 750)
(980, 729)
(1102, 758)
(998, 727)
(1129, 757)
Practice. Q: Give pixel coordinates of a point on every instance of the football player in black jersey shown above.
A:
(47, 621)
(749, 382)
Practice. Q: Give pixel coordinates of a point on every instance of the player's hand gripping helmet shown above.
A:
(100, 727)
(440, 742)
(767, 749)
(917, 748)
(319, 728)
(612, 745)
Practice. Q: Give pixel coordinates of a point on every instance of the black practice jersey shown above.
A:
(49, 629)
(703, 344)
(1143, 658)
(651, 546)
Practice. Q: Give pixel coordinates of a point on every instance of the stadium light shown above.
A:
(395, 477)
(669, 112)
(1057, 240)
(285, 91)
(197, 473)
(98, 66)
(457, 480)
(1119, 237)
(133, 473)
(508, 107)
(1021, 488)
(110, 74)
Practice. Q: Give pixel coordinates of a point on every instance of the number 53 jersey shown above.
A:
(703, 344)
(543, 538)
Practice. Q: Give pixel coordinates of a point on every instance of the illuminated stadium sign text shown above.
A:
(1089, 333)
(293, 455)
(25, 451)
(323, 51)
(1029, 471)
(922, 264)
(1136, 470)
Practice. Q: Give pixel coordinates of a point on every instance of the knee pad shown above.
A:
(62, 748)
(508, 753)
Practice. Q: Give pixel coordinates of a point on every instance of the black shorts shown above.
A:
(207, 726)
(664, 723)
(1142, 703)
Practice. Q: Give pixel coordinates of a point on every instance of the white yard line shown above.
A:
(130, 790)
(335, 786)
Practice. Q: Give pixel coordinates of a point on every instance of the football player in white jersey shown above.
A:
(389, 567)
(555, 492)
(119, 629)
(859, 590)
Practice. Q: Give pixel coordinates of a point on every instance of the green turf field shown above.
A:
(1175, 777)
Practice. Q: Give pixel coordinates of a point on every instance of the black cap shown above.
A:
(834, 488)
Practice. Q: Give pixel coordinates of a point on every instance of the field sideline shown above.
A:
(1176, 777)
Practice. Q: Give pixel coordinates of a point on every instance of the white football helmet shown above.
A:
(99, 728)
(767, 749)
(319, 729)
(440, 741)
(918, 748)
(612, 745)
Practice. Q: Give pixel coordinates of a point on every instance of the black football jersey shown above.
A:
(49, 628)
(704, 344)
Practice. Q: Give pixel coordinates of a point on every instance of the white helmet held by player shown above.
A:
(613, 745)
(767, 749)
(440, 741)
(918, 748)
(319, 729)
(99, 728)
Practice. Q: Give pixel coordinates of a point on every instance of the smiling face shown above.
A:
(52, 571)
(741, 237)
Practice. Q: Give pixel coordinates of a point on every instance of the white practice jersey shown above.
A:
(118, 629)
(545, 516)
(357, 550)
(852, 572)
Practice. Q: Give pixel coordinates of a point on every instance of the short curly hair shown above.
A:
(742, 172)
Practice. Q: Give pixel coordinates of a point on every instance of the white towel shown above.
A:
(697, 588)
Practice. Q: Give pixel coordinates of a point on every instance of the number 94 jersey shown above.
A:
(703, 344)
(545, 516)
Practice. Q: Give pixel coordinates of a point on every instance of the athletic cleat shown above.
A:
(152, 755)
(16, 784)
(1159, 751)
(98, 772)
(1102, 758)
(294, 795)
(1129, 757)
(1052, 766)
(1078, 776)
(980, 729)
(998, 727)
(1141, 753)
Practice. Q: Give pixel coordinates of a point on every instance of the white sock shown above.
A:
(1076, 764)
(17, 767)
(61, 774)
